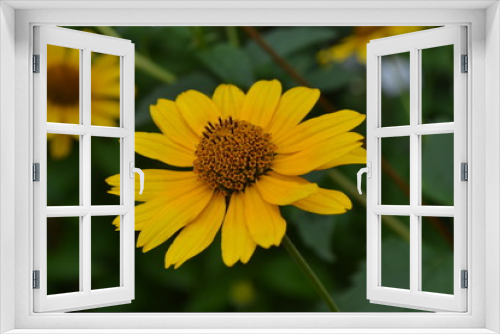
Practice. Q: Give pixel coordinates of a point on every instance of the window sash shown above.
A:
(86, 297)
(414, 297)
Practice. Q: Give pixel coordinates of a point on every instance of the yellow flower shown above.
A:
(245, 153)
(63, 93)
(355, 44)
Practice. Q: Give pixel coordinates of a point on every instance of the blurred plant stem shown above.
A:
(142, 62)
(232, 36)
(304, 266)
(391, 221)
(199, 37)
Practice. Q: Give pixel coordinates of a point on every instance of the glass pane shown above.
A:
(437, 84)
(395, 254)
(105, 156)
(105, 252)
(437, 169)
(437, 254)
(395, 95)
(396, 170)
(63, 85)
(63, 170)
(105, 90)
(63, 255)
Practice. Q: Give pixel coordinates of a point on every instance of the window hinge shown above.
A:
(36, 63)
(464, 279)
(465, 64)
(36, 279)
(36, 172)
(464, 171)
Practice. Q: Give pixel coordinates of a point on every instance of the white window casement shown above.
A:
(472, 310)
(86, 44)
(415, 44)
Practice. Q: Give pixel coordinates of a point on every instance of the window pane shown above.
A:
(63, 255)
(437, 84)
(395, 255)
(105, 156)
(63, 84)
(63, 170)
(437, 169)
(396, 172)
(395, 97)
(105, 90)
(437, 254)
(105, 252)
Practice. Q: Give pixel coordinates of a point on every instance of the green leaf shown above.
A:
(315, 231)
(437, 168)
(228, 63)
(288, 40)
(330, 78)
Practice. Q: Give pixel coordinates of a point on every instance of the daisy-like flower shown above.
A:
(245, 153)
(63, 104)
(355, 44)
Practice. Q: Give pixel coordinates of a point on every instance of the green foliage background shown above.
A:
(201, 58)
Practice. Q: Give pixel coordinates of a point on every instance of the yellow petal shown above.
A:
(264, 221)
(157, 146)
(260, 102)
(100, 120)
(318, 129)
(72, 58)
(294, 105)
(144, 213)
(282, 190)
(168, 118)
(105, 108)
(344, 49)
(176, 214)
(197, 109)
(198, 235)
(54, 112)
(304, 161)
(356, 156)
(70, 114)
(237, 244)
(158, 183)
(55, 55)
(325, 202)
(229, 99)
(60, 146)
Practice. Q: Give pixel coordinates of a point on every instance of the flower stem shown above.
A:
(142, 62)
(232, 36)
(302, 263)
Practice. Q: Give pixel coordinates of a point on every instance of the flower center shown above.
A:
(232, 155)
(63, 85)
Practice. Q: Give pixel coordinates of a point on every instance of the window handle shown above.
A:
(368, 171)
(141, 175)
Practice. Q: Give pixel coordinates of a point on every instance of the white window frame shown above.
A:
(16, 21)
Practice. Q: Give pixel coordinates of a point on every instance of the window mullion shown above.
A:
(414, 171)
(85, 167)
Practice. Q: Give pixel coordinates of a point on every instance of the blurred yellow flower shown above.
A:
(63, 93)
(246, 152)
(355, 44)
